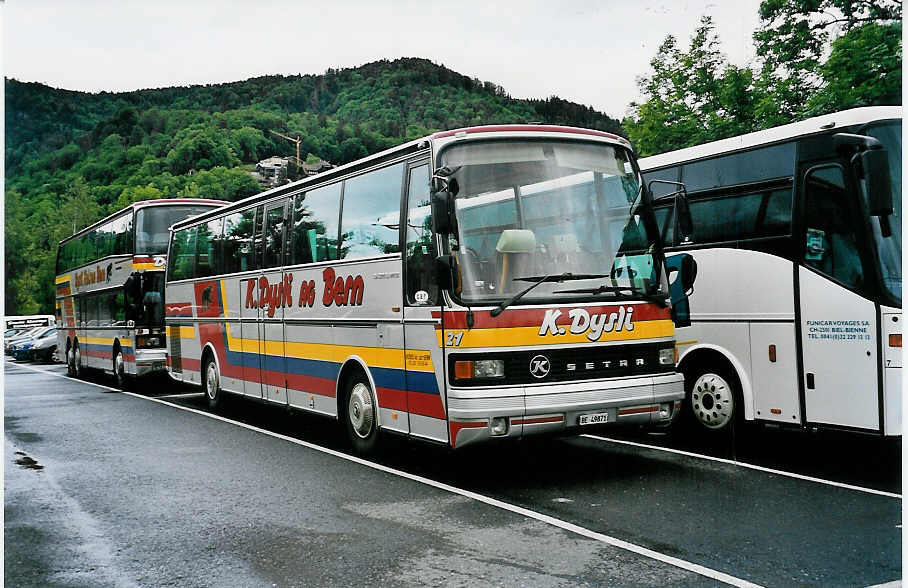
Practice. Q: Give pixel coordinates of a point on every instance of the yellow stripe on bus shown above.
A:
(526, 336)
(416, 359)
(182, 332)
(62, 279)
(98, 340)
(146, 267)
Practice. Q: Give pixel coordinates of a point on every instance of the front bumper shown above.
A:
(529, 410)
(150, 361)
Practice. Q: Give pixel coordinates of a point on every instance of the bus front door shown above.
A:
(838, 325)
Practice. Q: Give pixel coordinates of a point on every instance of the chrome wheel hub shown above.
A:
(211, 381)
(361, 410)
(712, 401)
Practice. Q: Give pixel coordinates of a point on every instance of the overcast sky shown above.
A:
(584, 51)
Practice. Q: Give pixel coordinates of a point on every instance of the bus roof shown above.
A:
(402, 150)
(802, 128)
(145, 204)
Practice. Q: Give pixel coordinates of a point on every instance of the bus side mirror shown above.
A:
(874, 165)
(443, 218)
(685, 220)
(447, 274)
(684, 268)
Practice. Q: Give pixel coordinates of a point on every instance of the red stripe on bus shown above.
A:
(556, 419)
(425, 404)
(178, 309)
(531, 128)
(392, 398)
(638, 410)
(454, 428)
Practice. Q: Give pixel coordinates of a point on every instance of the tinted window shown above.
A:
(209, 234)
(671, 174)
(371, 216)
(739, 217)
(182, 254)
(237, 243)
(274, 236)
(421, 285)
(831, 244)
(665, 220)
(315, 218)
(255, 262)
(740, 168)
(153, 225)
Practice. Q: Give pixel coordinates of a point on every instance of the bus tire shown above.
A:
(121, 380)
(359, 414)
(713, 396)
(70, 360)
(211, 384)
(77, 361)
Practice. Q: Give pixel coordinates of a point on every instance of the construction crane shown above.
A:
(299, 166)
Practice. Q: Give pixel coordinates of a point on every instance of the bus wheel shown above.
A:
(212, 384)
(360, 412)
(71, 361)
(121, 380)
(77, 361)
(713, 398)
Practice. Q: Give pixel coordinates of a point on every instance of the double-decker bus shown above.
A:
(796, 318)
(110, 289)
(489, 282)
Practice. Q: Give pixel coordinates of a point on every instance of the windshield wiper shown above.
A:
(566, 276)
(660, 300)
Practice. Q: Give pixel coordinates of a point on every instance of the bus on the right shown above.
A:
(796, 316)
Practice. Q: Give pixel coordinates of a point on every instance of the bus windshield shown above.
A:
(153, 225)
(890, 248)
(528, 211)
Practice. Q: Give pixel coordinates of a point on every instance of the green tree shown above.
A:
(863, 69)
(692, 96)
(793, 38)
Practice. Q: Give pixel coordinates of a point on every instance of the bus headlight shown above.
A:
(478, 369)
(667, 356)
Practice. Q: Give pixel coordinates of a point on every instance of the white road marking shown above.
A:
(746, 465)
(186, 395)
(570, 527)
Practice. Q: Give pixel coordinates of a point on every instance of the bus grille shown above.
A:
(176, 360)
(571, 364)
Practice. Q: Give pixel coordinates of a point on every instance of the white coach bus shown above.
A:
(796, 318)
(489, 282)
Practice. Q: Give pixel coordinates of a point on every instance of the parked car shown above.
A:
(44, 348)
(8, 343)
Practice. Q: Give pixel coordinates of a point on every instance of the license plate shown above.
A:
(594, 419)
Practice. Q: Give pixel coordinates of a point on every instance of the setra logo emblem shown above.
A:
(540, 366)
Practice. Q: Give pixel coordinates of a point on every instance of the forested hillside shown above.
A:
(73, 157)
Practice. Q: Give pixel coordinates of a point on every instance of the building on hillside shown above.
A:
(275, 170)
(272, 171)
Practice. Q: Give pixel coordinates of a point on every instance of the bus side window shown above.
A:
(318, 220)
(237, 241)
(831, 245)
(209, 233)
(274, 235)
(256, 259)
(665, 220)
(182, 254)
(420, 242)
(370, 220)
